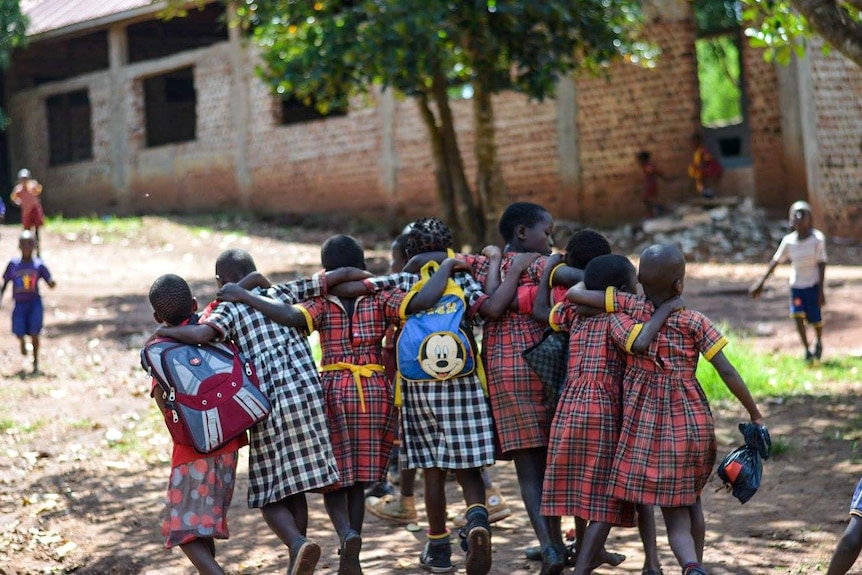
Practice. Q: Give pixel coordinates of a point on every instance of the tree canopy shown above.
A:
(325, 52)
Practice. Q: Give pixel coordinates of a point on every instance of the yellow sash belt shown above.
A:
(358, 371)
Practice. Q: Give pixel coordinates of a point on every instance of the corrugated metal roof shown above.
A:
(48, 15)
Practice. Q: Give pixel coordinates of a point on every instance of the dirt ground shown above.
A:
(83, 456)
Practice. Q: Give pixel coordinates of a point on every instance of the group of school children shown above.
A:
(632, 428)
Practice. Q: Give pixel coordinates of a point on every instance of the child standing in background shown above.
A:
(191, 521)
(24, 273)
(667, 445)
(26, 194)
(650, 185)
(805, 248)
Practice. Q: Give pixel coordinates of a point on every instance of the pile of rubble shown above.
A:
(726, 229)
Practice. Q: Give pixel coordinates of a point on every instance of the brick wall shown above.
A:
(837, 85)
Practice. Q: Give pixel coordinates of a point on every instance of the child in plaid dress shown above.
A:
(359, 402)
(448, 425)
(521, 417)
(191, 521)
(667, 442)
(290, 452)
(585, 430)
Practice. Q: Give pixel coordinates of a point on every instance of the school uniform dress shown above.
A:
(522, 418)
(26, 196)
(445, 424)
(667, 444)
(359, 401)
(586, 428)
(290, 451)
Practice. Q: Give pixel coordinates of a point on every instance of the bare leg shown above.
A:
(280, 519)
(472, 485)
(201, 552)
(35, 340)
(335, 503)
(646, 528)
(698, 528)
(679, 534)
(408, 482)
(356, 505)
(592, 544)
(847, 549)
(298, 507)
(803, 334)
(530, 467)
(435, 499)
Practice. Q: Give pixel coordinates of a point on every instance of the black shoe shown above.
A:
(533, 553)
(818, 350)
(348, 562)
(476, 542)
(437, 557)
(553, 561)
(809, 357)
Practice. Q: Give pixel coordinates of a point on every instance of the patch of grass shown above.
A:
(776, 375)
(779, 447)
(106, 228)
(15, 427)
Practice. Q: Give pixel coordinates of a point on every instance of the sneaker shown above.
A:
(476, 541)
(305, 559)
(437, 557)
(395, 508)
(348, 562)
(498, 509)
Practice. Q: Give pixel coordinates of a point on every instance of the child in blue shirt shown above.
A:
(24, 273)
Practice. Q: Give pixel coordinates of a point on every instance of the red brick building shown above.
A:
(116, 111)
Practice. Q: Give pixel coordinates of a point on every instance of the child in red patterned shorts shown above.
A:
(201, 485)
(667, 444)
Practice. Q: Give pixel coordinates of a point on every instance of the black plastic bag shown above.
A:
(742, 469)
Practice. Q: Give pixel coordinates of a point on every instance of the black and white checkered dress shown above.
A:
(445, 424)
(290, 451)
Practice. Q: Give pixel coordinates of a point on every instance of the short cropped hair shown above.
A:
(234, 264)
(171, 298)
(610, 270)
(584, 246)
(342, 251)
(519, 214)
(427, 235)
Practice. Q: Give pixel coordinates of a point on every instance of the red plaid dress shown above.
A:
(522, 419)
(359, 402)
(667, 443)
(586, 427)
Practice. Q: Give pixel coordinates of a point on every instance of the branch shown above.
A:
(834, 24)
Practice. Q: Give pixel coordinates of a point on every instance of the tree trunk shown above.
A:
(445, 189)
(490, 187)
(836, 26)
(470, 221)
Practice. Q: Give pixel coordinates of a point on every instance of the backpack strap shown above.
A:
(358, 371)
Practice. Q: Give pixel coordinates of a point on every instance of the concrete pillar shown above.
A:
(118, 57)
(568, 150)
(387, 107)
(794, 104)
(808, 124)
(239, 108)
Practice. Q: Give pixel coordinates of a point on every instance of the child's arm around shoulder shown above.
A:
(433, 289)
(495, 259)
(196, 334)
(542, 303)
(275, 310)
(651, 328)
(498, 302)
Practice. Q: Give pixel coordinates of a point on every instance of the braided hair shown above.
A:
(427, 235)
